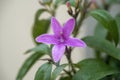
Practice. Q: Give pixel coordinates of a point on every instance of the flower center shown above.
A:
(61, 40)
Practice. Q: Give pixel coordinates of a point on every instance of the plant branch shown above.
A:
(68, 55)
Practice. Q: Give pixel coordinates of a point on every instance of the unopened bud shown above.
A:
(93, 4)
(69, 8)
(68, 4)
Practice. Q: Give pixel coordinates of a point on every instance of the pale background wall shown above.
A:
(16, 19)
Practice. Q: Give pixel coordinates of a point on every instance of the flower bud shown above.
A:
(68, 4)
(93, 4)
(69, 8)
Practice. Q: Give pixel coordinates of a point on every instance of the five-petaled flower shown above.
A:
(61, 38)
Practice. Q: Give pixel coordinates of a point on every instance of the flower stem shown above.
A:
(68, 55)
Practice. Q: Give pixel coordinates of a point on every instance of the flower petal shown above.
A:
(74, 42)
(57, 29)
(46, 38)
(57, 52)
(68, 27)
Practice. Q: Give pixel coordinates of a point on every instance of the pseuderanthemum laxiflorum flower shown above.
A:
(61, 38)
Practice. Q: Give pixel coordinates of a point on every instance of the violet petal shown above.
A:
(58, 52)
(74, 42)
(46, 38)
(57, 29)
(68, 27)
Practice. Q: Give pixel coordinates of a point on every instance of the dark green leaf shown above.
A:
(40, 26)
(29, 62)
(57, 71)
(108, 22)
(40, 48)
(118, 23)
(103, 45)
(93, 69)
(100, 31)
(65, 78)
(44, 72)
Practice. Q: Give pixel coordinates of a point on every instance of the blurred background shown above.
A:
(16, 20)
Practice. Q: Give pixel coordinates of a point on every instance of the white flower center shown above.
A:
(61, 40)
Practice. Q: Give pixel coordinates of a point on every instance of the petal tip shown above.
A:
(73, 20)
(84, 45)
(37, 39)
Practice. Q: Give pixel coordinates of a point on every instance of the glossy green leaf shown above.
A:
(40, 48)
(93, 69)
(40, 26)
(44, 72)
(100, 31)
(108, 22)
(103, 45)
(29, 62)
(57, 71)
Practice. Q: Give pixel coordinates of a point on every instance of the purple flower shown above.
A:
(61, 38)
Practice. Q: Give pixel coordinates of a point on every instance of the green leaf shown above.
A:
(108, 22)
(57, 71)
(118, 23)
(93, 69)
(65, 78)
(103, 45)
(40, 48)
(44, 72)
(40, 26)
(100, 31)
(29, 62)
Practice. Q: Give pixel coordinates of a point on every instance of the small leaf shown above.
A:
(93, 69)
(29, 62)
(40, 26)
(108, 22)
(57, 71)
(40, 48)
(44, 72)
(103, 45)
